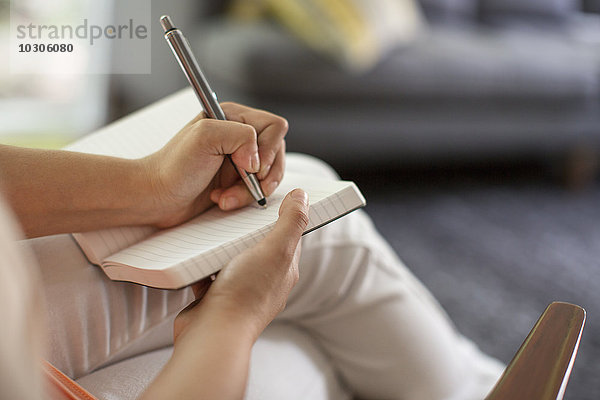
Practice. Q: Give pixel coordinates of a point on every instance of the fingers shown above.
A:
(254, 138)
(229, 137)
(271, 130)
(233, 197)
(270, 144)
(260, 119)
(275, 173)
(200, 288)
(238, 195)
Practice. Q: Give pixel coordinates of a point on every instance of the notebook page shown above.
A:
(143, 132)
(205, 244)
(137, 135)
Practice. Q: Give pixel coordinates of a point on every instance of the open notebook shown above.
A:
(182, 255)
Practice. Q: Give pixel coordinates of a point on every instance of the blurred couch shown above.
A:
(487, 78)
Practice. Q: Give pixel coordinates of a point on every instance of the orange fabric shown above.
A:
(61, 387)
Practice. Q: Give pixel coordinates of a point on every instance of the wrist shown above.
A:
(158, 204)
(151, 207)
(139, 194)
(206, 319)
(210, 359)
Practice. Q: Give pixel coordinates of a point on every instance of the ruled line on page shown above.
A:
(196, 236)
(211, 235)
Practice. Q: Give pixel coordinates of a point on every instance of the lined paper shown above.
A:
(202, 246)
(143, 132)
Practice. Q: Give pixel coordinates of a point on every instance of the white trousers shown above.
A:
(381, 332)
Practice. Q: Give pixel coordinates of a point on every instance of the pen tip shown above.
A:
(263, 202)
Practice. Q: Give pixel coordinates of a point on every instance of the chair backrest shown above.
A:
(540, 370)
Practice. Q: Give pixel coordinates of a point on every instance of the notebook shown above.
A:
(179, 256)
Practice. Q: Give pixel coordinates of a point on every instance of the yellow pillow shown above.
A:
(356, 33)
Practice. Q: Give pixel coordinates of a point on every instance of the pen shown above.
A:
(208, 98)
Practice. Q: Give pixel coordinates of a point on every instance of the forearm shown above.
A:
(210, 361)
(55, 191)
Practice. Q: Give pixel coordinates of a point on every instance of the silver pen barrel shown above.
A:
(184, 55)
(183, 52)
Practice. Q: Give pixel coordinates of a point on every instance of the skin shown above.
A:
(214, 337)
(54, 191)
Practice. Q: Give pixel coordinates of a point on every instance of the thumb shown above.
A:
(293, 219)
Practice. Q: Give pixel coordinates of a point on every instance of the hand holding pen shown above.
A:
(208, 99)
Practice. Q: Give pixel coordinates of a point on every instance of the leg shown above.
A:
(93, 321)
(383, 330)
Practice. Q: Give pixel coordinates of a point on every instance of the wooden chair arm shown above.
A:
(540, 369)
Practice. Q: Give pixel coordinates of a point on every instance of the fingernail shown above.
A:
(229, 203)
(299, 194)
(255, 162)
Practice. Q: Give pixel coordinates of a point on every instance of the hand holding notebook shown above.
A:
(242, 293)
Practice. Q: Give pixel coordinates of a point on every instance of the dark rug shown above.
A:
(496, 252)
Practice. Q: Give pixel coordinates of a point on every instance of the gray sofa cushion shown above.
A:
(447, 62)
(592, 6)
(556, 9)
(450, 10)
(551, 14)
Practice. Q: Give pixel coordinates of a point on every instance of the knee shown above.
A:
(306, 164)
